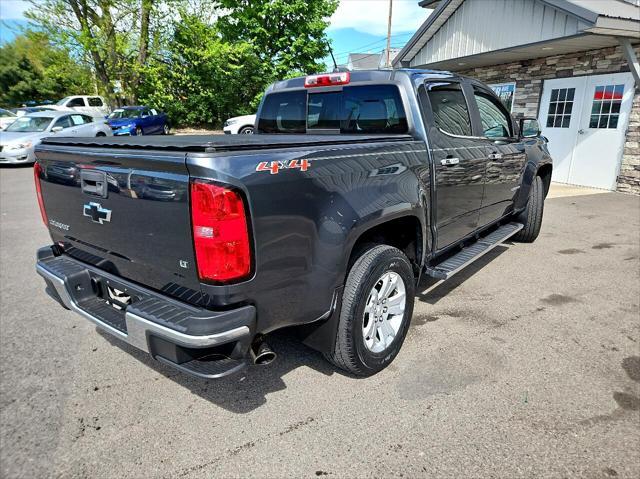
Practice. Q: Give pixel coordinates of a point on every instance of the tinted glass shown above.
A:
(64, 122)
(95, 101)
(450, 110)
(284, 112)
(75, 102)
(495, 121)
(362, 109)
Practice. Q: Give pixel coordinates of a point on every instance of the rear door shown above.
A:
(459, 160)
(504, 152)
(100, 208)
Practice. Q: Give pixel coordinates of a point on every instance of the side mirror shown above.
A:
(529, 128)
(56, 129)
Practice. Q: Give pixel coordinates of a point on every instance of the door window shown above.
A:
(495, 121)
(560, 107)
(95, 101)
(605, 109)
(75, 102)
(449, 107)
(64, 122)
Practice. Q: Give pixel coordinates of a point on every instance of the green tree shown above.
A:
(202, 79)
(34, 69)
(289, 35)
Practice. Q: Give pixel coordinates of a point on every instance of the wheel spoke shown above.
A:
(395, 304)
(389, 333)
(371, 328)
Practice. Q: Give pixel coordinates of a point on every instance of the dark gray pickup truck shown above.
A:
(195, 248)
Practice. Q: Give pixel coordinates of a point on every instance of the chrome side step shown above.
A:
(455, 263)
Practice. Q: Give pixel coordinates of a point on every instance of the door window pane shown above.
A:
(560, 107)
(495, 121)
(450, 111)
(606, 106)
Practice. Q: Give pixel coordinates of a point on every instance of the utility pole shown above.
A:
(389, 35)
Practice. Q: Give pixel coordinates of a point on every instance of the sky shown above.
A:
(357, 26)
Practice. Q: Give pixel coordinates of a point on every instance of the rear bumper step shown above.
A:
(199, 342)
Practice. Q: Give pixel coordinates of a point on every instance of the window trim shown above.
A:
(478, 125)
(431, 118)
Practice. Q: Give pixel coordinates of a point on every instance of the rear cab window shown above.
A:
(366, 109)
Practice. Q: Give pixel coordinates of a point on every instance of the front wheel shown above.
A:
(531, 217)
(138, 131)
(377, 305)
(165, 129)
(247, 130)
(101, 133)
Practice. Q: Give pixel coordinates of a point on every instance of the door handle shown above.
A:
(495, 156)
(450, 161)
(581, 131)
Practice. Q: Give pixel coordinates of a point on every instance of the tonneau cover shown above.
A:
(210, 143)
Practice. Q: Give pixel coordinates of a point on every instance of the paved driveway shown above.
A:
(525, 364)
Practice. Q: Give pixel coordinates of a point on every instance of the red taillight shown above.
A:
(327, 79)
(37, 170)
(220, 232)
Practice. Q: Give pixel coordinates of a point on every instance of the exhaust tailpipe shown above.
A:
(261, 353)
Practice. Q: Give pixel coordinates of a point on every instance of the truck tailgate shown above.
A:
(124, 211)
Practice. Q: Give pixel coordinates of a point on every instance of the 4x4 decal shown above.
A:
(274, 167)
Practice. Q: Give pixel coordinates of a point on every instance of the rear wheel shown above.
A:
(531, 217)
(101, 133)
(165, 129)
(377, 304)
(138, 131)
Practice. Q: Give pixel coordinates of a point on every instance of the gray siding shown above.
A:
(480, 26)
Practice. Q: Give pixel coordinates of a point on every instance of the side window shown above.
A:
(495, 121)
(77, 120)
(87, 119)
(95, 101)
(450, 110)
(75, 102)
(64, 122)
(153, 111)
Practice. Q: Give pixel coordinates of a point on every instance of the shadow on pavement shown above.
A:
(431, 290)
(247, 390)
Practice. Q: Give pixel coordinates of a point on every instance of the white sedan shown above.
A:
(18, 141)
(240, 125)
(6, 118)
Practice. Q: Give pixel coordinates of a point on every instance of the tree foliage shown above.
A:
(33, 69)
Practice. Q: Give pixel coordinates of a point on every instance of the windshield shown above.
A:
(358, 109)
(121, 113)
(5, 113)
(30, 124)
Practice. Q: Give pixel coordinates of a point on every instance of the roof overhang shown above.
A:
(559, 46)
(604, 26)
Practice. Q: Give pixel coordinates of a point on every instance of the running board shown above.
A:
(468, 255)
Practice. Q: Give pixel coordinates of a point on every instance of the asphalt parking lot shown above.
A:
(526, 364)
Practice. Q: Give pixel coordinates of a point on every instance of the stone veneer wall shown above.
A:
(529, 74)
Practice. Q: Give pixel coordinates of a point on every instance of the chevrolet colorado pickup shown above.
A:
(195, 248)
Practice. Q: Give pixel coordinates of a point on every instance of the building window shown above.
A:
(560, 107)
(605, 108)
(506, 92)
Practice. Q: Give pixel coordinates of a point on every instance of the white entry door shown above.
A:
(585, 120)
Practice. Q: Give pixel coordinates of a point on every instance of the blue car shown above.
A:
(138, 120)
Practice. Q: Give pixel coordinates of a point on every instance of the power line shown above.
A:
(383, 39)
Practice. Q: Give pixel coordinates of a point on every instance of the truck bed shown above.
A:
(212, 143)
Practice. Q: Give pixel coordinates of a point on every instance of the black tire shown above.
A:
(101, 133)
(350, 352)
(165, 129)
(247, 130)
(531, 217)
(139, 131)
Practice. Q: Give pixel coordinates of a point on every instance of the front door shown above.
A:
(585, 120)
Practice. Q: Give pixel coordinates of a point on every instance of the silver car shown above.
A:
(18, 141)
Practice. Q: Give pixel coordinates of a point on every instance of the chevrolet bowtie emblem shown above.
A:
(97, 213)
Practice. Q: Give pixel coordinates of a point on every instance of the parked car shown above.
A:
(17, 142)
(32, 109)
(410, 173)
(138, 121)
(90, 105)
(6, 118)
(242, 125)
